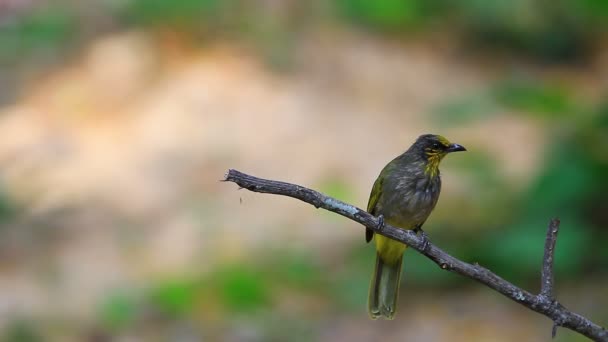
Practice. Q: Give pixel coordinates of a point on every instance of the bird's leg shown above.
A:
(424, 236)
(381, 223)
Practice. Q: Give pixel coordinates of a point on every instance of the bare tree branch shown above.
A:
(542, 303)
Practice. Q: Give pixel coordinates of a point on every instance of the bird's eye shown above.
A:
(435, 145)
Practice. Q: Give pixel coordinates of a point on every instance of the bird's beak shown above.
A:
(456, 148)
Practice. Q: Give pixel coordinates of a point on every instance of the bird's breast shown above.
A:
(410, 201)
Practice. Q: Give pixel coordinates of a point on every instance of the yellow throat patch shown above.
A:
(434, 157)
(432, 165)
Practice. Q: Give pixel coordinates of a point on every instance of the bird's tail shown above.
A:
(384, 288)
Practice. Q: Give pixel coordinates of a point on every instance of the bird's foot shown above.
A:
(381, 223)
(425, 238)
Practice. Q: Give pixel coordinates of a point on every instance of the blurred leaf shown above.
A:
(118, 310)
(526, 27)
(563, 184)
(45, 28)
(517, 251)
(591, 9)
(272, 38)
(535, 98)
(241, 289)
(21, 330)
(7, 208)
(48, 26)
(171, 12)
(385, 14)
(574, 239)
(175, 297)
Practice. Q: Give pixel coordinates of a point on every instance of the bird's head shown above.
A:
(433, 148)
(433, 144)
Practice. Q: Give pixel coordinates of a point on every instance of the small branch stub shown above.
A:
(547, 270)
(544, 303)
(547, 278)
(554, 330)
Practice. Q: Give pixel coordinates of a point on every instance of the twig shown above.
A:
(543, 303)
(547, 274)
(547, 280)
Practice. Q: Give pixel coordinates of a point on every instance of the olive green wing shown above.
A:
(371, 205)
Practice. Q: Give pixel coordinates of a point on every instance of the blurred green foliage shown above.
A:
(561, 30)
(528, 96)
(570, 184)
(241, 288)
(388, 15)
(534, 98)
(40, 31)
(296, 270)
(118, 310)
(174, 297)
(8, 208)
(548, 31)
(21, 330)
(158, 12)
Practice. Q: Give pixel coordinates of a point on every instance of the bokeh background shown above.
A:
(118, 118)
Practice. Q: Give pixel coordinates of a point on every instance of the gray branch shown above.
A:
(543, 303)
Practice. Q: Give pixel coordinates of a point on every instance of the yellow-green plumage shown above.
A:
(405, 193)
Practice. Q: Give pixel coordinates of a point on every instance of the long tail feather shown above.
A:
(384, 289)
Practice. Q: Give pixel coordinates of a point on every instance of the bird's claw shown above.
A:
(381, 223)
(425, 239)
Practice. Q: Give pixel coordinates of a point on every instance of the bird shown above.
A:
(404, 195)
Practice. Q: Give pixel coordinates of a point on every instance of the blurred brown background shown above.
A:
(119, 118)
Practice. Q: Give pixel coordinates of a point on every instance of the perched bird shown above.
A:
(403, 196)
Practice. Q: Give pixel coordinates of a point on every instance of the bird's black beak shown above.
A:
(456, 148)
